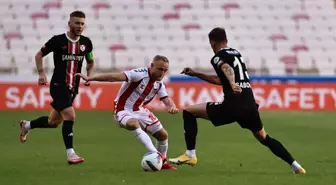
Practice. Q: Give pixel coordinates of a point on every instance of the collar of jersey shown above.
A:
(66, 34)
(224, 48)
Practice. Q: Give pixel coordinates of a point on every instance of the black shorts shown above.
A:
(62, 97)
(247, 116)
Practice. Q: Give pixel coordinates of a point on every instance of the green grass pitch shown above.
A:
(227, 154)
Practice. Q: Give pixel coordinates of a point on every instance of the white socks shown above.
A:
(144, 139)
(191, 153)
(162, 147)
(70, 151)
(295, 166)
(27, 125)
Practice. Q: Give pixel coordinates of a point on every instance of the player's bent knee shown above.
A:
(260, 135)
(164, 136)
(188, 110)
(69, 114)
(132, 124)
(54, 123)
(70, 117)
(161, 135)
(198, 111)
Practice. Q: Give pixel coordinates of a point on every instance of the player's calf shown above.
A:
(67, 133)
(190, 114)
(134, 126)
(161, 141)
(41, 122)
(68, 115)
(190, 132)
(280, 151)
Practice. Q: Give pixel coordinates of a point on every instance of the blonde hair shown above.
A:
(160, 57)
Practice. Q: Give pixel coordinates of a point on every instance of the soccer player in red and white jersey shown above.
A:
(139, 88)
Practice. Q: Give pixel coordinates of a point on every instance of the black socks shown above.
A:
(67, 133)
(278, 149)
(41, 122)
(190, 129)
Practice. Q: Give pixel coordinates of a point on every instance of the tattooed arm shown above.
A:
(229, 73)
(214, 79)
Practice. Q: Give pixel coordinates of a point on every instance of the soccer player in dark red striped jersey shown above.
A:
(69, 51)
(140, 87)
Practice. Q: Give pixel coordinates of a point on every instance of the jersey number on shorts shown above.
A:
(238, 62)
(152, 117)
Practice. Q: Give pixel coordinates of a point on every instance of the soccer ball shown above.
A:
(151, 162)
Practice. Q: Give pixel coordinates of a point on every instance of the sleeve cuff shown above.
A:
(162, 98)
(126, 77)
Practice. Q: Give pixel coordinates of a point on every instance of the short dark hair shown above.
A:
(77, 13)
(217, 35)
(160, 57)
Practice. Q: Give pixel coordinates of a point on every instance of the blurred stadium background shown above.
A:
(276, 37)
(281, 41)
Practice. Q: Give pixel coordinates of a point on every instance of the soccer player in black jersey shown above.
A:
(69, 49)
(239, 104)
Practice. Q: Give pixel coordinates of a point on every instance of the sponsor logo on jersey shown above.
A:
(244, 85)
(72, 58)
(82, 48)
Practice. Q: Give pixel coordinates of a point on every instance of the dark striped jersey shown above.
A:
(68, 59)
(235, 60)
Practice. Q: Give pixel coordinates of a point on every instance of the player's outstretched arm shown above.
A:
(114, 77)
(229, 73)
(213, 79)
(170, 105)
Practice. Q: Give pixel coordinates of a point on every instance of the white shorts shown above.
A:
(148, 121)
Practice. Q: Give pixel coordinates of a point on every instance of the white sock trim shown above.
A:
(27, 125)
(164, 142)
(162, 147)
(70, 151)
(295, 165)
(137, 131)
(191, 153)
